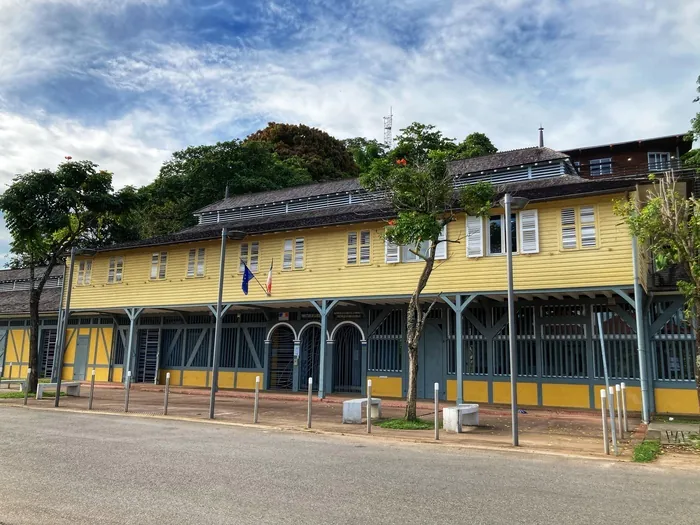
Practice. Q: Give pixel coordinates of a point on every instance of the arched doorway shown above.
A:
(282, 358)
(310, 357)
(347, 362)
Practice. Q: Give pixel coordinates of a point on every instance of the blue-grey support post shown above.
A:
(364, 348)
(458, 308)
(59, 324)
(296, 369)
(641, 336)
(610, 392)
(217, 328)
(63, 326)
(133, 315)
(324, 309)
(507, 199)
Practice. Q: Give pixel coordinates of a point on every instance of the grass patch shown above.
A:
(402, 424)
(647, 451)
(678, 419)
(20, 395)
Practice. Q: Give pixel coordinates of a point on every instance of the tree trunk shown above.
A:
(33, 377)
(697, 350)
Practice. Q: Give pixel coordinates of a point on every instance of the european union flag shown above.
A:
(247, 276)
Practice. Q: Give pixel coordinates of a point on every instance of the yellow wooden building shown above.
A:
(336, 311)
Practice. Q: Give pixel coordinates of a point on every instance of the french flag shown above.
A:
(269, 279)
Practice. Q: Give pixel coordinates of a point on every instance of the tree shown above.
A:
(48, 212)
(323, 156)
(668, 223)
(423, 197)
(474, 145)
(693, 156)
(415, 142)
(365, 152)
(198, 176)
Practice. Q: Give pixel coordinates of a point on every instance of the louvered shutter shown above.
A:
(588, 233)
(475, 241)
(529, 232)
(391, 252)
(568, 228)
(441, 250)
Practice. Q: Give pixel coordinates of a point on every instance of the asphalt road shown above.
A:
(60, 468)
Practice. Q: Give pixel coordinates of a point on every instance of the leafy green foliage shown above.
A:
(198, 176)
(364, 152)
(14, 394)
(416, 142)
(323, 156)
(474, 145)
(646, 451)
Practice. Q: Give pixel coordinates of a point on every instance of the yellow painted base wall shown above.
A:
(634, 397)
(194, 378)
(386, 386)
(527, 393)
(563, 395)
(174, 377)
(676, 401)
(473, 391)
(117, 375)
(246, 380)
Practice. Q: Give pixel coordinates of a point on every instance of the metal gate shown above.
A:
(48, 353)
(347, 364)
(282, 359)
(147, 366)
(310, 357)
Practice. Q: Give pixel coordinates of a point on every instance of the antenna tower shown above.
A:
(387, 129)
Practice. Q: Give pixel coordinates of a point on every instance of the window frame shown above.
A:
(359, 246)
(578, 227)
(250, 256)
(84, 272)
(193, 256)
(667, 162)
(503, 235)
(599, 163)
(115, 270)
(159, 266)
(293, 253)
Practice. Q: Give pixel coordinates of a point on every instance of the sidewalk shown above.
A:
(571, 433)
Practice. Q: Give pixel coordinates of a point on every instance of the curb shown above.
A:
(299, 430)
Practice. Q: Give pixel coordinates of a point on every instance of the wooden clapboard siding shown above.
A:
(326, 273)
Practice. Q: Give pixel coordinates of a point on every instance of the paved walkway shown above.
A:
(549, 431)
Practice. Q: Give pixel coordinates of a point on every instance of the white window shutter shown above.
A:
(475, 238)
(441, 250)
(391, 252)
(529, 232)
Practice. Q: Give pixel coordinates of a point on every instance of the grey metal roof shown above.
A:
(17, 303)
(22, 274)
(505, 159)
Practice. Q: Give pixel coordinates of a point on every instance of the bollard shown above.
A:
(613, 427)
(619, 412)
(606, 441)
(369, 406)
(128, 388)
(167, 392)
(10, 376)
(26, 386)
(308, 410)
(257, 395)
(623, 390)
(437, 412)
(92, 389)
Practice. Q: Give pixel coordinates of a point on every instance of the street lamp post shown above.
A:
(511, 203)
(63, 323)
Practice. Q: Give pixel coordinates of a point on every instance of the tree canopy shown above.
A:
(323, 156)
(416, 141)
(693, 156)
(365, 152)
(474, 145)
(48, 212)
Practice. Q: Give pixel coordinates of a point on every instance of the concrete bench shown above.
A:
(453, 418)
(72, 388)
(354, 408)
(9, 382)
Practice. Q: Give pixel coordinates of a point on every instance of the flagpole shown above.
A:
(254, 277)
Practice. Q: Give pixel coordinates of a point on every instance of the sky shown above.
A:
(124, 83)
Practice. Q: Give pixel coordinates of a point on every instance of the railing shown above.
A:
(623, 169)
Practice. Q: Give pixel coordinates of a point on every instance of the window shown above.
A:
(250, 255)
(195, 262)
(116, 270)
(497, 234)
(84, 273)
(601, 166)
(659, 161)
(578, 228)
(475, 243)
(293, 257)
(158, 264)
(362, 248)
(529, 232)
(394, 254)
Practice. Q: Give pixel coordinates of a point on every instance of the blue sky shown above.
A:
(126, 82)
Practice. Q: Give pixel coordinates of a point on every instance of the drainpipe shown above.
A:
(641, 337)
